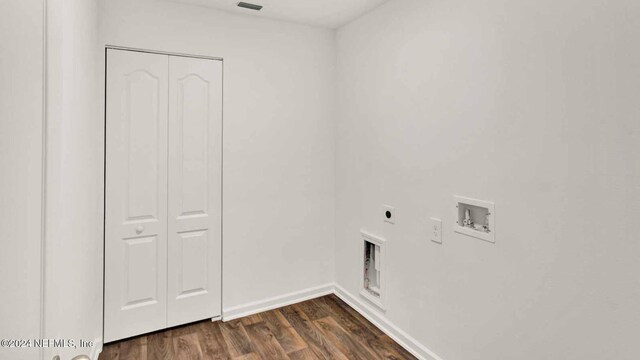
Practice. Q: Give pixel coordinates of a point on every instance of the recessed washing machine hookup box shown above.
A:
(475, 218)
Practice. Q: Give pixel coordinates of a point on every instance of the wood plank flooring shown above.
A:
(322, 328)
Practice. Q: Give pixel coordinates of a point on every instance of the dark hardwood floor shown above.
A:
(323, 328)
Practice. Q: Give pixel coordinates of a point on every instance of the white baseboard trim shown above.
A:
(410, 344)
(276, 302)
(96, 349)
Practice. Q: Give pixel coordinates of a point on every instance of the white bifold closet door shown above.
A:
(195, 189)
(163, 192)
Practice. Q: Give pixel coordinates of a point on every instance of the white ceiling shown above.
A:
(325, 13)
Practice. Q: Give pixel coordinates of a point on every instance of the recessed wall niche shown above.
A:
(372, 284)
(475, 218)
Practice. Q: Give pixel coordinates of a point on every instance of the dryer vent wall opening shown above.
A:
(372, 283)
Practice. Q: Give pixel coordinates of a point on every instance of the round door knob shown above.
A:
(139, 229)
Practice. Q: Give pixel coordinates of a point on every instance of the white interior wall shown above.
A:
(531, 104)
(21, 129)
(74, 176)
(278, 142)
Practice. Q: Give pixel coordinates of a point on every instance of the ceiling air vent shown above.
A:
(250, 6)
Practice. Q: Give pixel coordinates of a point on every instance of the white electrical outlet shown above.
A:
(435, 229)
(389, 214)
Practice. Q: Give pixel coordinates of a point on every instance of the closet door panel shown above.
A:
(195, 169)
(136, 194)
